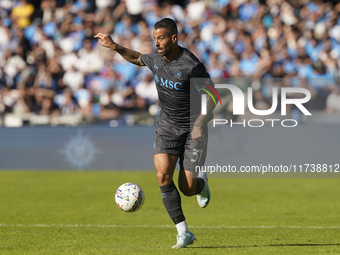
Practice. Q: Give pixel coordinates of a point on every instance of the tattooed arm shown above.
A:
(132, 56)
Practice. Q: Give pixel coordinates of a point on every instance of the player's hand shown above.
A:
(197, 134)
(105, 40)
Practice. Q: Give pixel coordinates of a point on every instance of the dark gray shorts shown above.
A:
(178, 142)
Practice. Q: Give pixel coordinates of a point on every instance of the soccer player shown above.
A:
(181, 133)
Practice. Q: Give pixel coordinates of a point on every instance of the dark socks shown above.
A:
(200, 185)
(172, 202)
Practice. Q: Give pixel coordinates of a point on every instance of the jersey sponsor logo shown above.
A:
(167, 83)
(170, 84)
(178, 74)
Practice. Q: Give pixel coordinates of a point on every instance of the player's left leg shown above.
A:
(191, 184)
(188, 182)
(191, 180)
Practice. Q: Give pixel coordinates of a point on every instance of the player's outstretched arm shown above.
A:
(132, 56)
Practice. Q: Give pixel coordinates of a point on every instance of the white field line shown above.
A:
(165, 226)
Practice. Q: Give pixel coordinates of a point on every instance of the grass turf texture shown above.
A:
(75, 213)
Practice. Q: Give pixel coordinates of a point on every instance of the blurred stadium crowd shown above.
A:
(53, 71)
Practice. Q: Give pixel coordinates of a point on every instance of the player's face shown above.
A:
(163, 41)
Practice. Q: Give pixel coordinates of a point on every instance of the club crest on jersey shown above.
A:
(178, 74)
(156, 66)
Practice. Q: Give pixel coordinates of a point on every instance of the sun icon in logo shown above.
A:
(80, 151)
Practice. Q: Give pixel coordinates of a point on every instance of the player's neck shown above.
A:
(173, 54)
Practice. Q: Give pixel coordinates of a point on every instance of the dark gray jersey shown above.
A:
(173, 85)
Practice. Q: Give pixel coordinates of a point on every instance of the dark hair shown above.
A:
(168, 24)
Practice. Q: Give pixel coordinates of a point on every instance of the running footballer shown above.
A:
(181, 129)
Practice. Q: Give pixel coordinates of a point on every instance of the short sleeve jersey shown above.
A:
(172, 80)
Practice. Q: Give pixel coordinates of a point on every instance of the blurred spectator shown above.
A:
(333, 101)
(20, 107)
(74, 79)
(109, 109)
(43, 78)
(21, 14)
(89, 59)
(146, 89)
(67, 103)
(103, 4)
(14, 64)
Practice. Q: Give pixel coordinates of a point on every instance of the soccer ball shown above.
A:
(129, 197)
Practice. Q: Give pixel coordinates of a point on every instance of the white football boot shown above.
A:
(203, 198)
(184, 239)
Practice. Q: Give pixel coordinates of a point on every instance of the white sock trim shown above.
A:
(182, 227)
(203, 175)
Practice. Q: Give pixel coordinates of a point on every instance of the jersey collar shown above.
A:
(181, 50)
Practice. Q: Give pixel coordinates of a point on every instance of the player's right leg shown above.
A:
(165, 165)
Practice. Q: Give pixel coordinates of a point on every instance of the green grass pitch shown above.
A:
(63, 212)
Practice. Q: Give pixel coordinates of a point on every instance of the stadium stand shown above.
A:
(53, 72)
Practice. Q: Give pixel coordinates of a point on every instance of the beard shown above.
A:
(164, 51)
